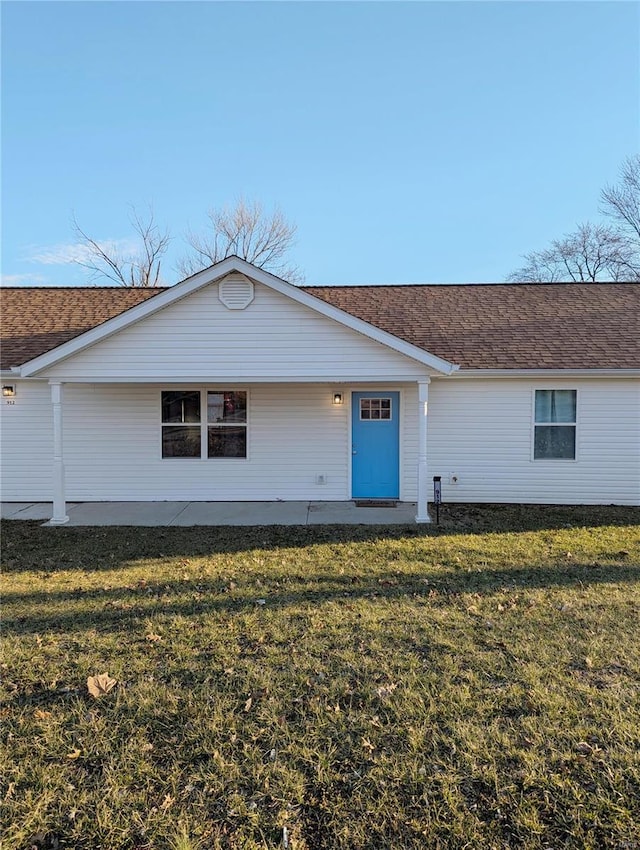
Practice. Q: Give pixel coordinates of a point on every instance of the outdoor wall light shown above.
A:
(8, 391)
(337, 398)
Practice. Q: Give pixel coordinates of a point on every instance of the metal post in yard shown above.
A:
(437, 495)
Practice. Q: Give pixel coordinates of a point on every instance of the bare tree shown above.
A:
(138, 267)
(621, 203)
(246, 230)
(593, 253)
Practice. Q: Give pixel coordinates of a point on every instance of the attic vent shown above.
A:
(235, 291)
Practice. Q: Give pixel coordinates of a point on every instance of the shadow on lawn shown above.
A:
(30, 546)
(117, 608)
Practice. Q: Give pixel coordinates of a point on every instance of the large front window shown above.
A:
(555, 425)
(217, 431)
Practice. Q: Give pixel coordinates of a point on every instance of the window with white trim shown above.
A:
(555, 425)
(375, 408)
(217, 430)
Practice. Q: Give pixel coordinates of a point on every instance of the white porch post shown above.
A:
(423, 484)
(59, 506)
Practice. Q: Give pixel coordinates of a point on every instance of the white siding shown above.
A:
(482, 432)
(26, 443)
(479, 430)
(112, 448)
(273, 338)
(409, 443)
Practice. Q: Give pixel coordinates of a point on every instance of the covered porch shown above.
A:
(344, 441)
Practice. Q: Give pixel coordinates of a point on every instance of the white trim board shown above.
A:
(546, 373)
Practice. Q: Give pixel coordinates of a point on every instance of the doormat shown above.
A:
(376, 503)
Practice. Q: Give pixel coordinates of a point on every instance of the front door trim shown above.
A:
(383, 489)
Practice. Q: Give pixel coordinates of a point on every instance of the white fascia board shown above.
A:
(547, 373)
(236, 380)
(10, 374)
(211, 275)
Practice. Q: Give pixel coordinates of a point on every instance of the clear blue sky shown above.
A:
(410, 142)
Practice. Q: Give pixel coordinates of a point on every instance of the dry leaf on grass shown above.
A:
(167, 802)
(43, 841)
(100, 685)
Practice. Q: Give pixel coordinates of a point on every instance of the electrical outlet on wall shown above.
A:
(454, 478)
(321, 478)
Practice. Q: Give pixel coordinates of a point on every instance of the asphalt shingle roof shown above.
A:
(480, 326)
(506, 326)
(36, 319)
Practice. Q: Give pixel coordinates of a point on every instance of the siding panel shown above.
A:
(294, 433)
(26, 444)
(482, 431)
(273, 338)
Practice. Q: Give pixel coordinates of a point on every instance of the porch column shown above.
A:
(59, 506)
(423, 483)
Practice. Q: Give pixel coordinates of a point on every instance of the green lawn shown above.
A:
(473, 686)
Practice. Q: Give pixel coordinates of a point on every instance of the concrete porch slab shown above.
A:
(215, 513)
(125, 513)
(243, 513)
(29, 510)
(346, 513)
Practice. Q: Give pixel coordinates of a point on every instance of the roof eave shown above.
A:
(555, 372)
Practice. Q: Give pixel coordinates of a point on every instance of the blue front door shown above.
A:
(375, 445)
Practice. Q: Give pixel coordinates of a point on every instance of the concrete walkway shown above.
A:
(215, 513)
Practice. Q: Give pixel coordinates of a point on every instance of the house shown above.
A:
(235, 385)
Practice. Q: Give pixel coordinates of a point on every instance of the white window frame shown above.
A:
(534, 425)
(204, 424)
(380, 397)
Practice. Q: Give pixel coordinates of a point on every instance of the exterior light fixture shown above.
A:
(337, 398)
(8, 391)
